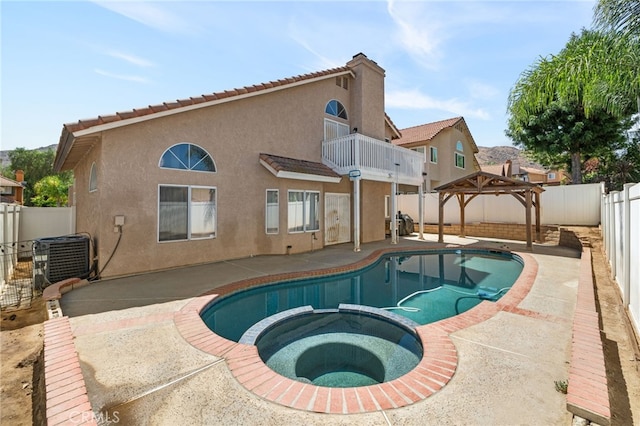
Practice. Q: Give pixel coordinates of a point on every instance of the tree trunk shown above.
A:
(576, 168)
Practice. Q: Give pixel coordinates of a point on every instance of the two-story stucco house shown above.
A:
(447, 148)
(282, 167)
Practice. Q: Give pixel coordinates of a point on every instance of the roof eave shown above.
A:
(128, 121)
(62, 151)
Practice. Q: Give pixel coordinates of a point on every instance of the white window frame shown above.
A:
(189, 219)
(422, 150)
(455, 160)
(272, 213)
(303, 211)
(433, 154)
(387, 206)
(551, 175)
(187, 167)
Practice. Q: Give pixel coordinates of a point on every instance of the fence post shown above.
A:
(626, 247)
(5, 237)
(612, 230)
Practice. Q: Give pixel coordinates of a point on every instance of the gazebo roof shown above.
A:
(487, 183)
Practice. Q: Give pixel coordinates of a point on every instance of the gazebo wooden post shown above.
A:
(537, 201)
(440, 216)
(482, 183)
(462, 206)
(527, 196)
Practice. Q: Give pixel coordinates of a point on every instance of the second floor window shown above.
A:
(459, 156)
(187, 156)
(336, 109)
(433, 154)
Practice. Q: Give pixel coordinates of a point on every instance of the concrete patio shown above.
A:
(138, 367)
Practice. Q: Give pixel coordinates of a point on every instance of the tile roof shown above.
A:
(181, 103)
(425, 132)
(6, 182)
(494, 169)
(286, 164)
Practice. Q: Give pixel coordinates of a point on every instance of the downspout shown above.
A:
(394, 207)
(421, 211)
(356, 213)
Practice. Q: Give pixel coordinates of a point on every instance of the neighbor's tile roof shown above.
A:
(425, 132)
(494, 169)
(180, 103)
(6, 182)
(286, 164)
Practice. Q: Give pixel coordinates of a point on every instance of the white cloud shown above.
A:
(149, 14)
(323, 61)
(135, 60)
(417, 33)
(134, 78)
(413, 99)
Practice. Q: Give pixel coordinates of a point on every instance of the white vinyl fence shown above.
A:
(9, 224)
(621, 235)
(20, 225)
(560, 205)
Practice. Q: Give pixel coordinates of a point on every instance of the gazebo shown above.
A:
(467, 188)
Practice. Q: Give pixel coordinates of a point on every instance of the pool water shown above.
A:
(422, 286)
(340, 348)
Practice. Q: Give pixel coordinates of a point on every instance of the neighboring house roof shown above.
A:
(413, 136)
(6, 182)
(426, 132)
(511, 169)
(72, 133)
(291, 168)
(494, 169)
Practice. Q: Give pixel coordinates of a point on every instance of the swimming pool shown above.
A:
(424, 286)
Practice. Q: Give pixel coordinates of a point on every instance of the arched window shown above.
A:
(187, 156)
(458, 158)
(336, 109)
(93, 178)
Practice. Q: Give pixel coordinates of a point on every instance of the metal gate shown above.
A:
(337, 218)
(16, 276)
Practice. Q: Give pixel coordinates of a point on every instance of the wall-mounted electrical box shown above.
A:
(119, 220)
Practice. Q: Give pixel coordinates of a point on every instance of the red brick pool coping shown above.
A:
(434, 371)
(67, 401)
(587, 393)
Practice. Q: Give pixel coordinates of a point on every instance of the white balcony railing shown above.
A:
(374, 159)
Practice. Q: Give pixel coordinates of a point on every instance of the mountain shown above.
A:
(493, 155)
(4, 155)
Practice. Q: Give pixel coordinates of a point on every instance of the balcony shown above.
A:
(375, 159)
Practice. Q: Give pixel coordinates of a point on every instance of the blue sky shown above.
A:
(65, 61)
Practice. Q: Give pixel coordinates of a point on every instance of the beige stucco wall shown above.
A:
(445, 170)
(287, 123)
(367, 100)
